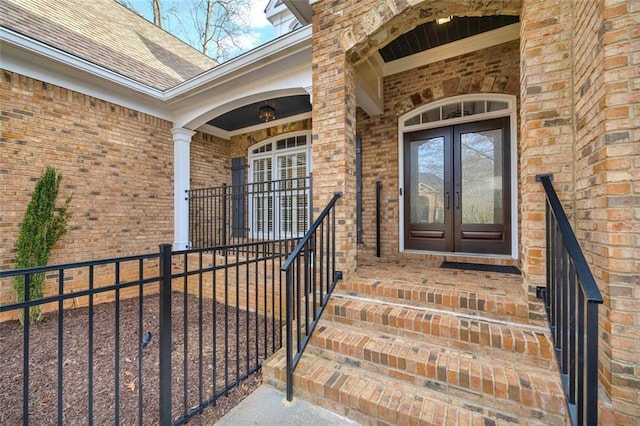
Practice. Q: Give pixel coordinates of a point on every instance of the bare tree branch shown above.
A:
(215, 27)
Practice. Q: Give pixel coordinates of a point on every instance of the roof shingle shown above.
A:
(109, 35)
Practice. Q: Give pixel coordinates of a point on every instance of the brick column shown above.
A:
(547, 140)
(606, 51)
(334, 138)
(181, 165)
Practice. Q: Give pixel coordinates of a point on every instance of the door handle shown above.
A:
(457, 199)
(447, 202)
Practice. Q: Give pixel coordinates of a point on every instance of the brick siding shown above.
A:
(116, 163)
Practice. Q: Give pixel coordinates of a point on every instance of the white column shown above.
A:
(181, 168)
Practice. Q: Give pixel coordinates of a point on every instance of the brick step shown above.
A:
(509, 384)
(470, 301)
(371, 398)
(530, 345)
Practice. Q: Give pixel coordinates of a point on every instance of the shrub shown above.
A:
(41, 228)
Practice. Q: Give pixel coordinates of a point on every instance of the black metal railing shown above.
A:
(310, 277)
(215, 313)
(234, 214)
(571, 301)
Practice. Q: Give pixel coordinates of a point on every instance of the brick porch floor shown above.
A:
(407, 342)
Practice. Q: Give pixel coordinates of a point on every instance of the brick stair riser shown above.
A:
(463, 334)
(491, 306)
(392, 403)
(451, 373)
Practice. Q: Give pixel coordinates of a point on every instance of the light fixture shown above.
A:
(444, 20)
(267, 112)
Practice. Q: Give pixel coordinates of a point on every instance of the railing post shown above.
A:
(165, 335)
(224, 214)
(289, 333)
(378, 217)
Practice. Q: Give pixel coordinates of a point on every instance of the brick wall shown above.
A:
(606, 193)
(546, 126)
(239, 144)
(491, 70)
(210, 161)
(578, 120)
(116, 163)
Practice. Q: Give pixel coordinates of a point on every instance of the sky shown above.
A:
(261, 30)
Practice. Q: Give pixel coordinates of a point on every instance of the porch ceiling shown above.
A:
(247, 116)
(431, 34)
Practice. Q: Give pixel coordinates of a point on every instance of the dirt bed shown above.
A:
(232, 327)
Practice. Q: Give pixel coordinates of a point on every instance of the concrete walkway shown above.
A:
(267, 406)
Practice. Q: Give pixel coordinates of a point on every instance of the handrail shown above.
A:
(311, 266)
(571, 301)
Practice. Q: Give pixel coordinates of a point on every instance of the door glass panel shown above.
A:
(262, 199)
(427, 181)
(481, 172)
(293, 195)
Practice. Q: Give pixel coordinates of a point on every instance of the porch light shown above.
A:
(267, 113)
(444, 20)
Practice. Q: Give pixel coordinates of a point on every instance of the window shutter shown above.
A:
(238, 197)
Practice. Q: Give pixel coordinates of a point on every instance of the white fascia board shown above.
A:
(284, 78)
(275, 51)
(41, 62)
(300, 9)
(460, 47)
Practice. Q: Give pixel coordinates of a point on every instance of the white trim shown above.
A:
(460, 47)
(54, 54)
(262, 56)
(510, 112)
(42, 62)
(275, 61)
(215, 131)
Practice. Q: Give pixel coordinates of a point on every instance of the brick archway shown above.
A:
(383, 21)
(344, 35)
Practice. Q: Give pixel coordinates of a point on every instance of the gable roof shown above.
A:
(109, 35)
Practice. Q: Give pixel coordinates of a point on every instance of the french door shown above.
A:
(457, 188)
(279, 199)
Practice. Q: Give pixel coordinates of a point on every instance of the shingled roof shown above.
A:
(109, 35)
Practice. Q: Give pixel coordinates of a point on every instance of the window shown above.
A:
(456, 110)
(279, 174)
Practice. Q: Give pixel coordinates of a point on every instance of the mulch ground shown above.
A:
(221, 332)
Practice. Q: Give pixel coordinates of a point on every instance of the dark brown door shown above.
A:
(457, 188)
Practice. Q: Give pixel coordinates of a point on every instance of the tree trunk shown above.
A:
(207, 26)
(157, 17)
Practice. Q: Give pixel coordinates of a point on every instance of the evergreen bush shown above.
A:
(41, 228)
